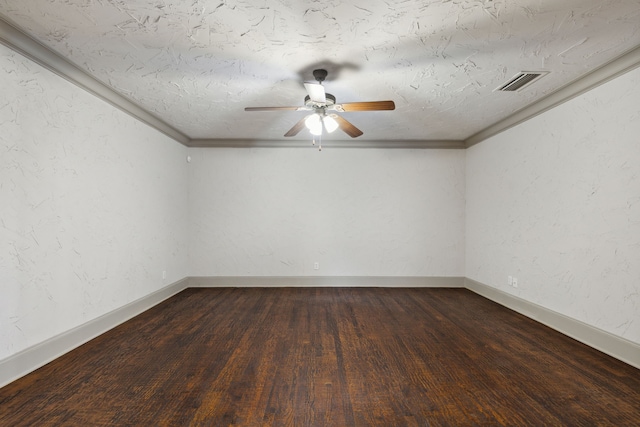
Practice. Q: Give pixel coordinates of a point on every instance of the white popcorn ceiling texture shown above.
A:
(196, 64)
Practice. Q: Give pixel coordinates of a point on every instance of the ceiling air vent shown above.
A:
(521, 80)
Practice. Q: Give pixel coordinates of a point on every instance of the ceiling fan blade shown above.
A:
(316, 92)
(296, 128)
(272, 108)
(346, 126)
(366, 106)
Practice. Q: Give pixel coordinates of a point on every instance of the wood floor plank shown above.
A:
(327, 357)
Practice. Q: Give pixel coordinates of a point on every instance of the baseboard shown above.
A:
(34, 357)
(613, 345)
(325, 281)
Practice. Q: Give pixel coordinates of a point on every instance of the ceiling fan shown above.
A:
(323, 104)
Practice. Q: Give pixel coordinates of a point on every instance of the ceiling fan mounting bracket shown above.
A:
(320, 75)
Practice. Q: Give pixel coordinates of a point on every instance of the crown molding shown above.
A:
(297, 143)
(17, 40)
(622, 64)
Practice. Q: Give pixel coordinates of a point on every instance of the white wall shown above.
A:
(555, 202)
(93, 206)
(274, 212)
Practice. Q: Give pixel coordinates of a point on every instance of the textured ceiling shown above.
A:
(196, 64)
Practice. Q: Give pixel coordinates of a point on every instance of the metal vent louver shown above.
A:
(521, 80)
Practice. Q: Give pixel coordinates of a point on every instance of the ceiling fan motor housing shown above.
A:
(331, 100)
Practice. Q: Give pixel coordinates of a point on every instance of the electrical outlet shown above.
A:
(515, 282)
(510, 281)
(164, 274)
(316, 265)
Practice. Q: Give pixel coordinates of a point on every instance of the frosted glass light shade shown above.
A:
(313, 123)
(330, 123)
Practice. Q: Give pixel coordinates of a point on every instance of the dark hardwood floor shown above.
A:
(327, 357)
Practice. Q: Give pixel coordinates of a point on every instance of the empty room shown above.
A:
(319, 213)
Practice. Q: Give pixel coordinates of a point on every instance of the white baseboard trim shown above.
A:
(325, 281)
(613, 345)
(34, 357)
(39, 355)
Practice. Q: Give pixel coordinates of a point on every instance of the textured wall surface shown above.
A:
(555, 202)
(93, 206)
(262, 212)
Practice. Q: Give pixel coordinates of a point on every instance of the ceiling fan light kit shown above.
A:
(329, 123)
(320, 102)
(314, 124)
